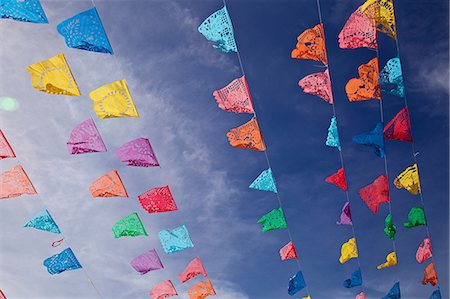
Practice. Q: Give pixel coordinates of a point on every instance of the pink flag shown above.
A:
(318, 84)
(85, 138)
(361, 295)
(194, 268)
(235, 97)
(288, 252)
(425, 251)
(15, 182)
(359, 32)
(147, 262)
(6, 150)
(138, 152)
(158, 200)
(163, 290)
(346, 216)
(376, 193)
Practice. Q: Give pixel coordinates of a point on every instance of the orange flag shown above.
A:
(247, 136)
(201, 290)
(365, 87)
(430, 275)
(6, 150)
(108, 185)
(15, 182)
(311, 45)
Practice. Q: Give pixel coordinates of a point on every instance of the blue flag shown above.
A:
(394, 292)
(354, 280)
(373, 138)
(175, 240)
(333, 134)
(43, 221)
(63, 261)
(296, 283)
(436, 295)
(218, 28)
(23, 11)
(265, 182)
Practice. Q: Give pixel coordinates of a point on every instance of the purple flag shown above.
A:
(137, 152)
(147, 262)
(85, 138)
(346, 216)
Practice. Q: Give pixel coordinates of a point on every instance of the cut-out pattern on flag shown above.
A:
(175, 240)
(346, 215)
(158, 200)
(163, 290)
(373, 139)
(129, 226)
(436, 294)
(358, 32)
(108, 185)
(394, 292)
(430, 275)
(318, 84)
(15, 182)
(416, 217)
(399, 128)
(138, 152)
(63, 261)
(333, 134)
(146, 262)
(265, 182)
(361, 295)
(390, 229)
(311, 45)
(113, 100)
(382, 11)
(194, 268)
(338, 179)
(43, 221)
(235, 97)
(376, 193)
(409, 180)
(6, 150)
(349, 250)
(354, 280)
(288, 252)
(366, 87)
(296, 283)
(201, 290)
(85, 138)
(23, 10)
(425, 251)
(390, 75)
(219, 29)
(391, 260)
(273, 220)
(2, 295)
(85, 31)
(247, 136)
(53, 76)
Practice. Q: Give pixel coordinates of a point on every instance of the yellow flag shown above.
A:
(382, 11)
(308, 297)
(409, 180)
(348, 250)
(391, 260)
(113, 100)
(53, 76)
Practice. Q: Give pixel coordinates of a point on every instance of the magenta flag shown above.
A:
(138, 152)
(346, 216)
(85, 138)
(146, 262)
(158, 200)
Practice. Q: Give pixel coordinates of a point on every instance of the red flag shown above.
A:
(399, 128)
(288, 252)
(338, 179)
(194, 268)
(158, 200)
(376, 193)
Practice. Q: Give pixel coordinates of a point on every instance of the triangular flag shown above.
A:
(399, 128)
(85, 31)
(416, 217)
(311, 45)
(265, 182)
(194, 268)
(361, 295)
(15, 182)
(23, 11)
(333, 134)
(318, 84)
(366, 87)
(394, 292)
(138, 152)
(108, 185)
(201, 290)
(425, 251)
(390, 228)
(338, 179)
(129, 226)
(6, 150)
(175, 240)
(354, 280)
(373, 139)
(158, 200)
(53, 76)
(2, 295)
(346, 215)
(219, 29)
(436, 294)
(358, 32)
(409, 180)
(382, 11)
(349, 250)
(288, 252)
(273, 220)
(85, 138)
(390, 75)
(43, 221)
(163, 290)
(296, 283)
(235, 97)
(247, 136)
(63, 261)
(430, 275)
(376, 193)
(146, 262)
(391, 260)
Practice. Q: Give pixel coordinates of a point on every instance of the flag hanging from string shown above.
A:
(425, 251)
(311, 45)
(409, 180)
(358, 32)
(346, 216)
(63, 261)
(108, 185)
(361, 295)
(382, 12)
(430, 275)
(354, 280)
(288, 252)
(23, 10)
(194, 268)
(201, 290)
(43, 221)
(175, 240)
(6, 150)
(85, 138)
(273, 220)
(436, 294)
(376, 193)
(394, 292)
(391, 260)
(158, 200)
(265, 182)
(338, 179)
(296, 283)
(333, 134)
(137, 152)
(318, 84)
(399, 128)
(146, 262)
(349, 250)
(15, 183)
(235, 97)
(390, 75)
(163, 290)
(247, 136)
(416, 217)
(390, 229)
(366, 86)
(219, 29)
(129, 226)
(373, 139)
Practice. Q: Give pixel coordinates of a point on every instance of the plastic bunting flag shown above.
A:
(382, 11)
(273, 220)
(54, 76)
(394, 292)
(390, 75)
(6, 150)
(108, 185)
(349, 250)
(23, 10)
(358, 32)
(265, 182)
(201, 290)
(175, 240)
(338, 179)
(15, 182)
(235, 97)
(435, 295)
(163, 290)
(409, 180)
(333, 134)
(43, 221)
(376, 193)
(373, 139)
(425, 251)
(158, 200)
(366, 87)
(399, 127)
(63, 261)
(85, 138)
(390, 229)
(416, 217)
(138, 152)
(288, 252)
(129, 226)
(391, 260)
(247, 136)
(113, 100)
(430, 275)
(361, 295)
(194, 268)
(318, 84)
(346, 215)
(219, 29)
(311, 45)
(85, 31)
(354, 280)
(146, 262)
(296, 283)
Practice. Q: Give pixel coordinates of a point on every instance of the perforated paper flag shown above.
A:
(399, 128)
(265, 182)
(349, 250)
(391, 260)
(175, 240)
(376, 193)
(430, 275)
(311, 45)
(288, 252)
(247, 136)
(366, 87)
(273, 220)
(113, 100)
(85, 138)
(15, 182)
(163, 290)
(23, 11)
(354, 280)
(63, 261)
(194, 268)
(235, 97)
(390, 229)
(358, 32)
(382, 11)
(296, 283)
(318, 84)
(129, 226)
(390, 75)
(158, 200)
(373, 139)
(394, 292)
(219, 29)
(201, 290)
(43, 221)
(346, 215)
(361, 295)
(338, 179)
(2, 295)
(138, 152)
(409, 180)
(6, 150)
(146, 262)
(333, 134)
(108, 185)
(416, 217)
(425, 251)
(436, 294)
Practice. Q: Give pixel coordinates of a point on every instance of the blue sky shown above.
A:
(172, 71)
